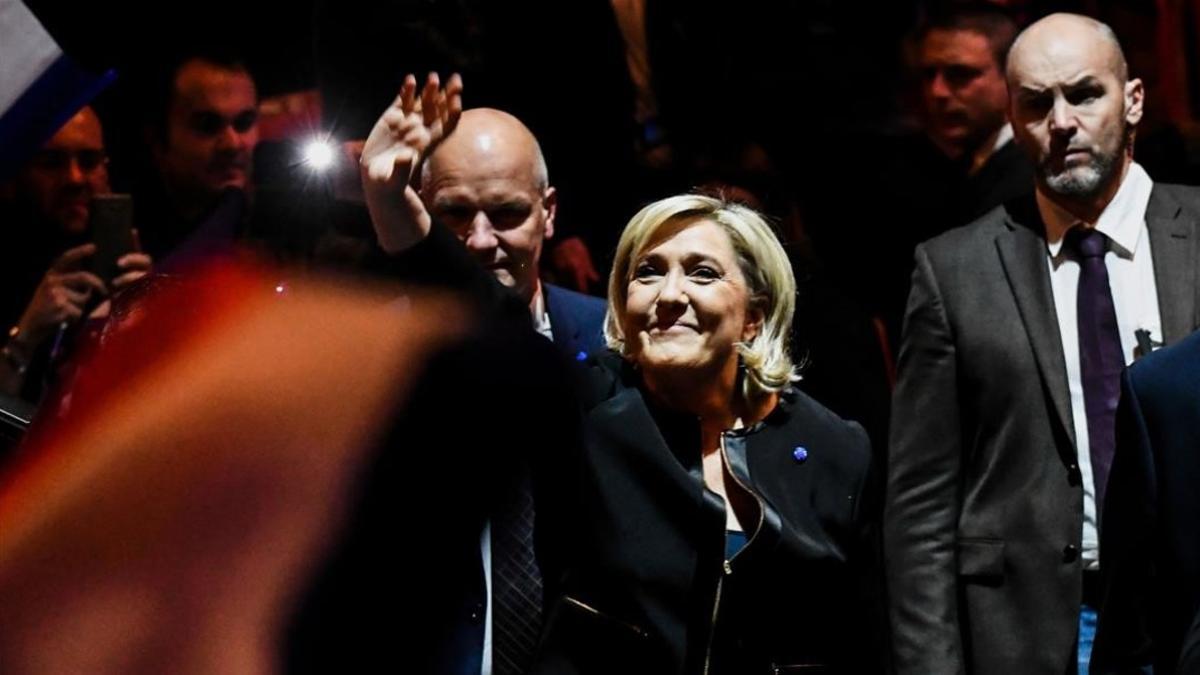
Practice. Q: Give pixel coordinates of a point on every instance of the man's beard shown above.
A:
(1085, 181)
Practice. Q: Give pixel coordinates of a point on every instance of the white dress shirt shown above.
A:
(1135, 300)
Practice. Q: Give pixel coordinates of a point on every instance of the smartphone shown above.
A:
(111, 226)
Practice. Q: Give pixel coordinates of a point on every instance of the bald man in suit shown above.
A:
(1017, 328)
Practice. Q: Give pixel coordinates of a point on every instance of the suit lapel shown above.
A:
(1023, 254)
(1172, 245)
(561, 326)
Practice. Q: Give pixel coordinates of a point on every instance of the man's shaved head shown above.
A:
(487, 182)
(1050, 36)
(1074, 109)
(490, 132)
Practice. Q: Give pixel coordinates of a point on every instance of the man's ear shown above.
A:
(550, 204)
(1135, 94)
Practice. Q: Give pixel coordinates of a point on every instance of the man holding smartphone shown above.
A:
(47, 282)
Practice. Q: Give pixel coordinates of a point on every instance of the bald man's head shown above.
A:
(1059, 33)
(487, 134)
(1073, 109)
(488, 182)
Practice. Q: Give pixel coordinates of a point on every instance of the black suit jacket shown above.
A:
(1150, 544)
(983, 518)
(646, 588)
(1189, 660)
(918, 193)
(402, 588)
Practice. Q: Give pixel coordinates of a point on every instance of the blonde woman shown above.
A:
(717, 519)
(726, 521)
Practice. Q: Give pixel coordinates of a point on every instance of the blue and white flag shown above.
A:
(40, 86)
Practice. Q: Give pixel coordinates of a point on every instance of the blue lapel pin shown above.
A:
(800, 454)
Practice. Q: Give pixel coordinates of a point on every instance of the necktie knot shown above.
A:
(1087, 242)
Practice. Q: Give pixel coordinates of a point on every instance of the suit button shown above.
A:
(1070, 553)
(477, 613)
(1073, 468)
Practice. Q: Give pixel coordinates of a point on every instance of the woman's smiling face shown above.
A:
(687, 301)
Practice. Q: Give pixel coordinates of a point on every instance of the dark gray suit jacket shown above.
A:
(984, 509)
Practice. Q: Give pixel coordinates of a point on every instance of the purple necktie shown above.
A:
(1101, 359)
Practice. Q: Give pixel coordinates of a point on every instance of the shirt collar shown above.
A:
(537, 307)
(1003, 136)
(982, 155)
(1121, 221)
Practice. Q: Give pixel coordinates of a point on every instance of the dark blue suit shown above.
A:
(577, 321)
(1150, 527)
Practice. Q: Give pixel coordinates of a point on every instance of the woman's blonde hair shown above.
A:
(763, 262)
